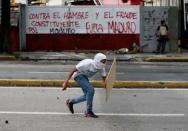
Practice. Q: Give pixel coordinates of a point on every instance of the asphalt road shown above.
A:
(134, 71)
(43, 109)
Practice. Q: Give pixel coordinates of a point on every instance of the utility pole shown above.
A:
(182, 17)
(5, 26)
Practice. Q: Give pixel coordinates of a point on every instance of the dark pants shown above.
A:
(161, 45)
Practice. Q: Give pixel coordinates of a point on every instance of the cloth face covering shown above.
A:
(97, 61)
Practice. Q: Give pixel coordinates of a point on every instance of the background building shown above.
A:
(118, 41)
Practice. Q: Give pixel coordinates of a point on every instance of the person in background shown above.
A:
(81, 74)
(162, 37)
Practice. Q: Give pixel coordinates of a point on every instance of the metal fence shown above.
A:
(162, 3)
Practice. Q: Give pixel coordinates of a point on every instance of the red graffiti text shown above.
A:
(94, 28)
(76, 15)
(121, 27)
(126, 15)
(43, 16)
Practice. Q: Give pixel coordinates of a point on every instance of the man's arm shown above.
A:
(64, 85)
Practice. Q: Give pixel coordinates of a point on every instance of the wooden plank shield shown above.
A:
(110, 79)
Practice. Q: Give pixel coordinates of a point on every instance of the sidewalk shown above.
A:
(73, 56)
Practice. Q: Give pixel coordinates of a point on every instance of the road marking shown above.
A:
(152, 89)
(53, 72)
(50, 72)
(77, 88)
(101, 114)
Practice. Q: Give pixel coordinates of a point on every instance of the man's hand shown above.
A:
(64, 85)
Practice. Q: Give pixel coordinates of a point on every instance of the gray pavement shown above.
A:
(63, 57)
(43, 109)
(77, 56)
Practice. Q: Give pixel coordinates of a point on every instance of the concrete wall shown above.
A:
(150, 19)
(82, 39)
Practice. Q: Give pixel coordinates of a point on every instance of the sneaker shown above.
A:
(70, 106)
(90, 114)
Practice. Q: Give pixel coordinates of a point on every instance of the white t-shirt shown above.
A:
(87, 68)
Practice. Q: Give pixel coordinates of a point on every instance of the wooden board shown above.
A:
(110, 79)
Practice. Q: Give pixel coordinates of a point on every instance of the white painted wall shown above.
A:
(83, 19)
(55, 2)
(21, 1)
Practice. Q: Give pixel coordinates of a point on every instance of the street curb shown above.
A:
(9, 57)
(95, 83)
(166, 59)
